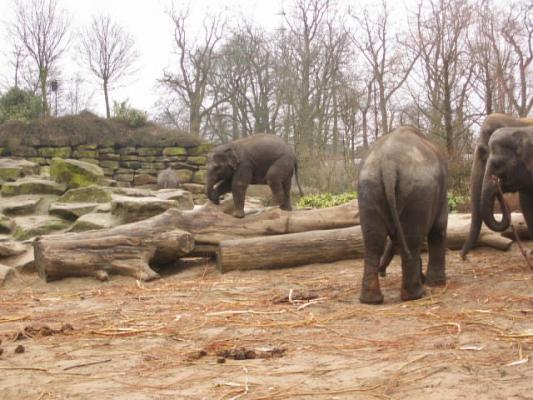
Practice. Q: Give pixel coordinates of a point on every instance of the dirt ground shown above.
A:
(197, 334)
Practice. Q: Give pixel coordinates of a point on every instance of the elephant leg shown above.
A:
(526, 205)
(286, 203)
(412, 288)
(238, 190)
(386, 258)
(374, 237)
(436, 274)
(276, 178)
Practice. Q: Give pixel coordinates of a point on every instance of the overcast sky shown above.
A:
(151, 27)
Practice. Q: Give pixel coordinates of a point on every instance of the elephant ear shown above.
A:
(525, 146)
(232, 157)
(483, 151)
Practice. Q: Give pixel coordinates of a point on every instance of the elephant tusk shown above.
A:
(216, 185)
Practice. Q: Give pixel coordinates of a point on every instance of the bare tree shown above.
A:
(446, 70)
(195, 67)
(109, 52)
(385, 57)
(41, 28)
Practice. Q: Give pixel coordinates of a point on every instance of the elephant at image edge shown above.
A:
(510, 158)
(489, 126)
(257, 159)
(402, 192)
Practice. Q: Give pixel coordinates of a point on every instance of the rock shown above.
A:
(10, 248)
(92, 221)
(182, 198)
(194, 188)
(32, 186)
(134, 192)
(5, 273)
(200, 177)
(20, 205)
(201, 149)
(6, 224)
(35, 225)
(51, 152)
(89, 194)
(197, 160)
(75, 173)
(24, 262)
(71, 211)
(144, 179)
(12, 168)
(131, 209)
(184, 175)
(149, 151)
(174, 151)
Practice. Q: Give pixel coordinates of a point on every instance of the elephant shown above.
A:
(492, 123)
(167, 179)
(402, 191)
(261, 158)
(509, 158)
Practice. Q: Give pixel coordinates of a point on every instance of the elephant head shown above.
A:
(508, 153)
(492, 123)
(221, 165)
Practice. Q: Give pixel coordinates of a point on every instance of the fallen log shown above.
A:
(210, 225)
(335, 244)
(125, 249)
(290, 249)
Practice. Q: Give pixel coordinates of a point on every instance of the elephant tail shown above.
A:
(389, 176)
(296, 177)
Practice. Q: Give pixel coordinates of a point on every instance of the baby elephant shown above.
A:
(402, 195)
(257, 159)
(167, 179)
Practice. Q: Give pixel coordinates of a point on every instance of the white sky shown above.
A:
(152, 30)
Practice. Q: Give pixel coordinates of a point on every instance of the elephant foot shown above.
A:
(435, 280)
(371, 297)
(383, 272)
(286, 208)
(238, 213)
(413, 294)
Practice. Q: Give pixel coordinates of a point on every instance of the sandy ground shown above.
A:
(176, 338)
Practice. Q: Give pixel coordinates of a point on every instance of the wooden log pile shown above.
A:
(269, 238)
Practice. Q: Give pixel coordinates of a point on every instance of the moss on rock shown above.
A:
(75, 173)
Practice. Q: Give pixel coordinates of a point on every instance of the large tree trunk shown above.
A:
(336, 244)
(126, 249)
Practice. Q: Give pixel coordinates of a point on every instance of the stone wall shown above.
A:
(127, 165)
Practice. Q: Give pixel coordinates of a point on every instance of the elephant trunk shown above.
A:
(476, 183)
(211, 190)
(491, 194)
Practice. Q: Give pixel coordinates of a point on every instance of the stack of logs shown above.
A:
(269, 238)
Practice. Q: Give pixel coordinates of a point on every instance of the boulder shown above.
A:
(71, 211)
(92, 221)
(20, 205)
(12, 169)
(24, 262)
(133, 192)
(89, 194)
(10, 248)
(184, 175)
(6, 224)
(194, 188)
(200, 177)
(132, 209)
(32, 186)
(182, 198)
(75, 173)
(5, 273)
(35, 225)
(144, 179)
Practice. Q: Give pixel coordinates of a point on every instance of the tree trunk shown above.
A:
(335, 244)
(106, 98)
(126, 250)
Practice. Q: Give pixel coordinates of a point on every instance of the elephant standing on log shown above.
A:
(492, 123)
(510, 159)
(256, 159)
(402, 193)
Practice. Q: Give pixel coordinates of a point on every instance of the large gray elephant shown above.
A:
(509, 158)
(489, 126)
(402, 193)
(257, 159)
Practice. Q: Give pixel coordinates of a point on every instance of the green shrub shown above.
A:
(455, 202)
(20, 105)
(133, 117)
(324, 200)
